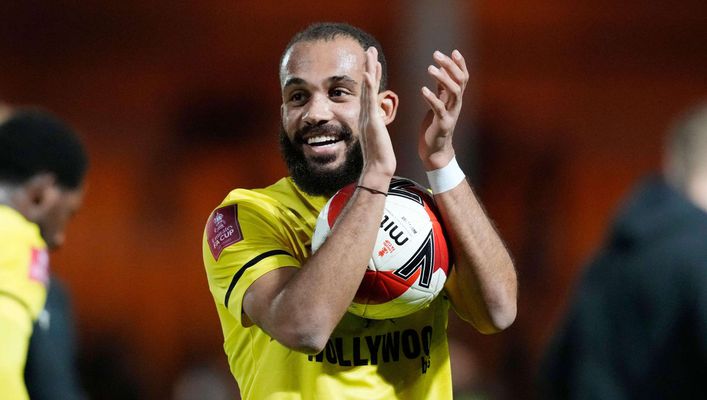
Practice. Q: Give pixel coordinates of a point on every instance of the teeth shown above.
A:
(321, 139)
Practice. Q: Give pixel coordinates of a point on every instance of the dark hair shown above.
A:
(33, 141)
(331, 30)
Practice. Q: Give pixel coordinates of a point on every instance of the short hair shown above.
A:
(327, 31)
(686, 147)
(33, 141)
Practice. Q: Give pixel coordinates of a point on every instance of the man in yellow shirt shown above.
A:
(42, 168)
(283, 309)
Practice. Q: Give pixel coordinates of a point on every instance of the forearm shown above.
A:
(308, 306)
(483, 285)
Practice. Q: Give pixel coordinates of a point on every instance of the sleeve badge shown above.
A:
(39, 266)
(223, 229)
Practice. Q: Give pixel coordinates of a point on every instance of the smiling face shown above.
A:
(320, 83)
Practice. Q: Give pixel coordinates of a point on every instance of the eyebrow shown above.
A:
(293, 81)
(344, 79)
(334, 79)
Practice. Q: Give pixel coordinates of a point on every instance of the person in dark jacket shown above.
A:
(637, 327)
(51, 372)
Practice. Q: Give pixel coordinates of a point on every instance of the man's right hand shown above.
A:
(379, 159)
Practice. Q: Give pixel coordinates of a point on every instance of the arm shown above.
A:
(482, 286)
(301, 307)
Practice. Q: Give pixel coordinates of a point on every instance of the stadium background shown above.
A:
(179, 102)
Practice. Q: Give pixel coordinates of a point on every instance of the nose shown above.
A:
(318, 110)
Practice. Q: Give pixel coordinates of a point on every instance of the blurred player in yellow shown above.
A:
(282, 308)
(42, 168)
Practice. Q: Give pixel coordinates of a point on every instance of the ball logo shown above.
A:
(422, 259)
(388, 248)
(391, 228)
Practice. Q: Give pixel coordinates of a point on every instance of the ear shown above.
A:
(40, 194)
(388, 105)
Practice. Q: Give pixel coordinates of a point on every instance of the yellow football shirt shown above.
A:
(24, 269)
(256, 231)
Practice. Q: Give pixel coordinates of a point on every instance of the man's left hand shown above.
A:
(435, 142)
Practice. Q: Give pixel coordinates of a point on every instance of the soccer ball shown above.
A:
(410, 260)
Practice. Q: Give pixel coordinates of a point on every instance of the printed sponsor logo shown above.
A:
(223, 230)
(378, 349)
(389, 226)
(386, 249)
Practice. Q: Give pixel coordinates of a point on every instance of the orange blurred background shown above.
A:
(178, 103)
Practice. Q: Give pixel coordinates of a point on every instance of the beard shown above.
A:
(311, 175)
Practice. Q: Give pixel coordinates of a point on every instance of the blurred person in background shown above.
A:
(637, 328)
(205, 380)
(42, 170)
(51, 371)
(283, 308)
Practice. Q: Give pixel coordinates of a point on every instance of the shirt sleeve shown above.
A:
(241, 243)
(15, 331)
(24, 270)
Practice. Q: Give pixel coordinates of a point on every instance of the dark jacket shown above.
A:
(50, 372)
(637, 327)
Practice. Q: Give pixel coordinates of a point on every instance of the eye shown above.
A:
(297, 97)
(338, 92)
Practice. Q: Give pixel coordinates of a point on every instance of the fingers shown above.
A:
(455, 66)
(375, 142)
(459, 60)
(373, 55)
(451, 76)
(363, 114)
(373, 70)
(371, 77)
(438, 107)
(369, 87)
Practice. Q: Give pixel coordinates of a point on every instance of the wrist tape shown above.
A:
(445, 178)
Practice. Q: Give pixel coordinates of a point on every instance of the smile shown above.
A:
(322, 140)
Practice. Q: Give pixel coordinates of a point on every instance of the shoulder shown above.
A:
(271, 195)
(248, 215)
(281, 200)
(24, 261)
(246, 204)
(15, 230)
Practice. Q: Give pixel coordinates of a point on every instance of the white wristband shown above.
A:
(445, 178)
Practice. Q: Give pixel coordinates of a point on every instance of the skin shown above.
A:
(42, 201)
(696, 189)
(483, 284)
(335, 82)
